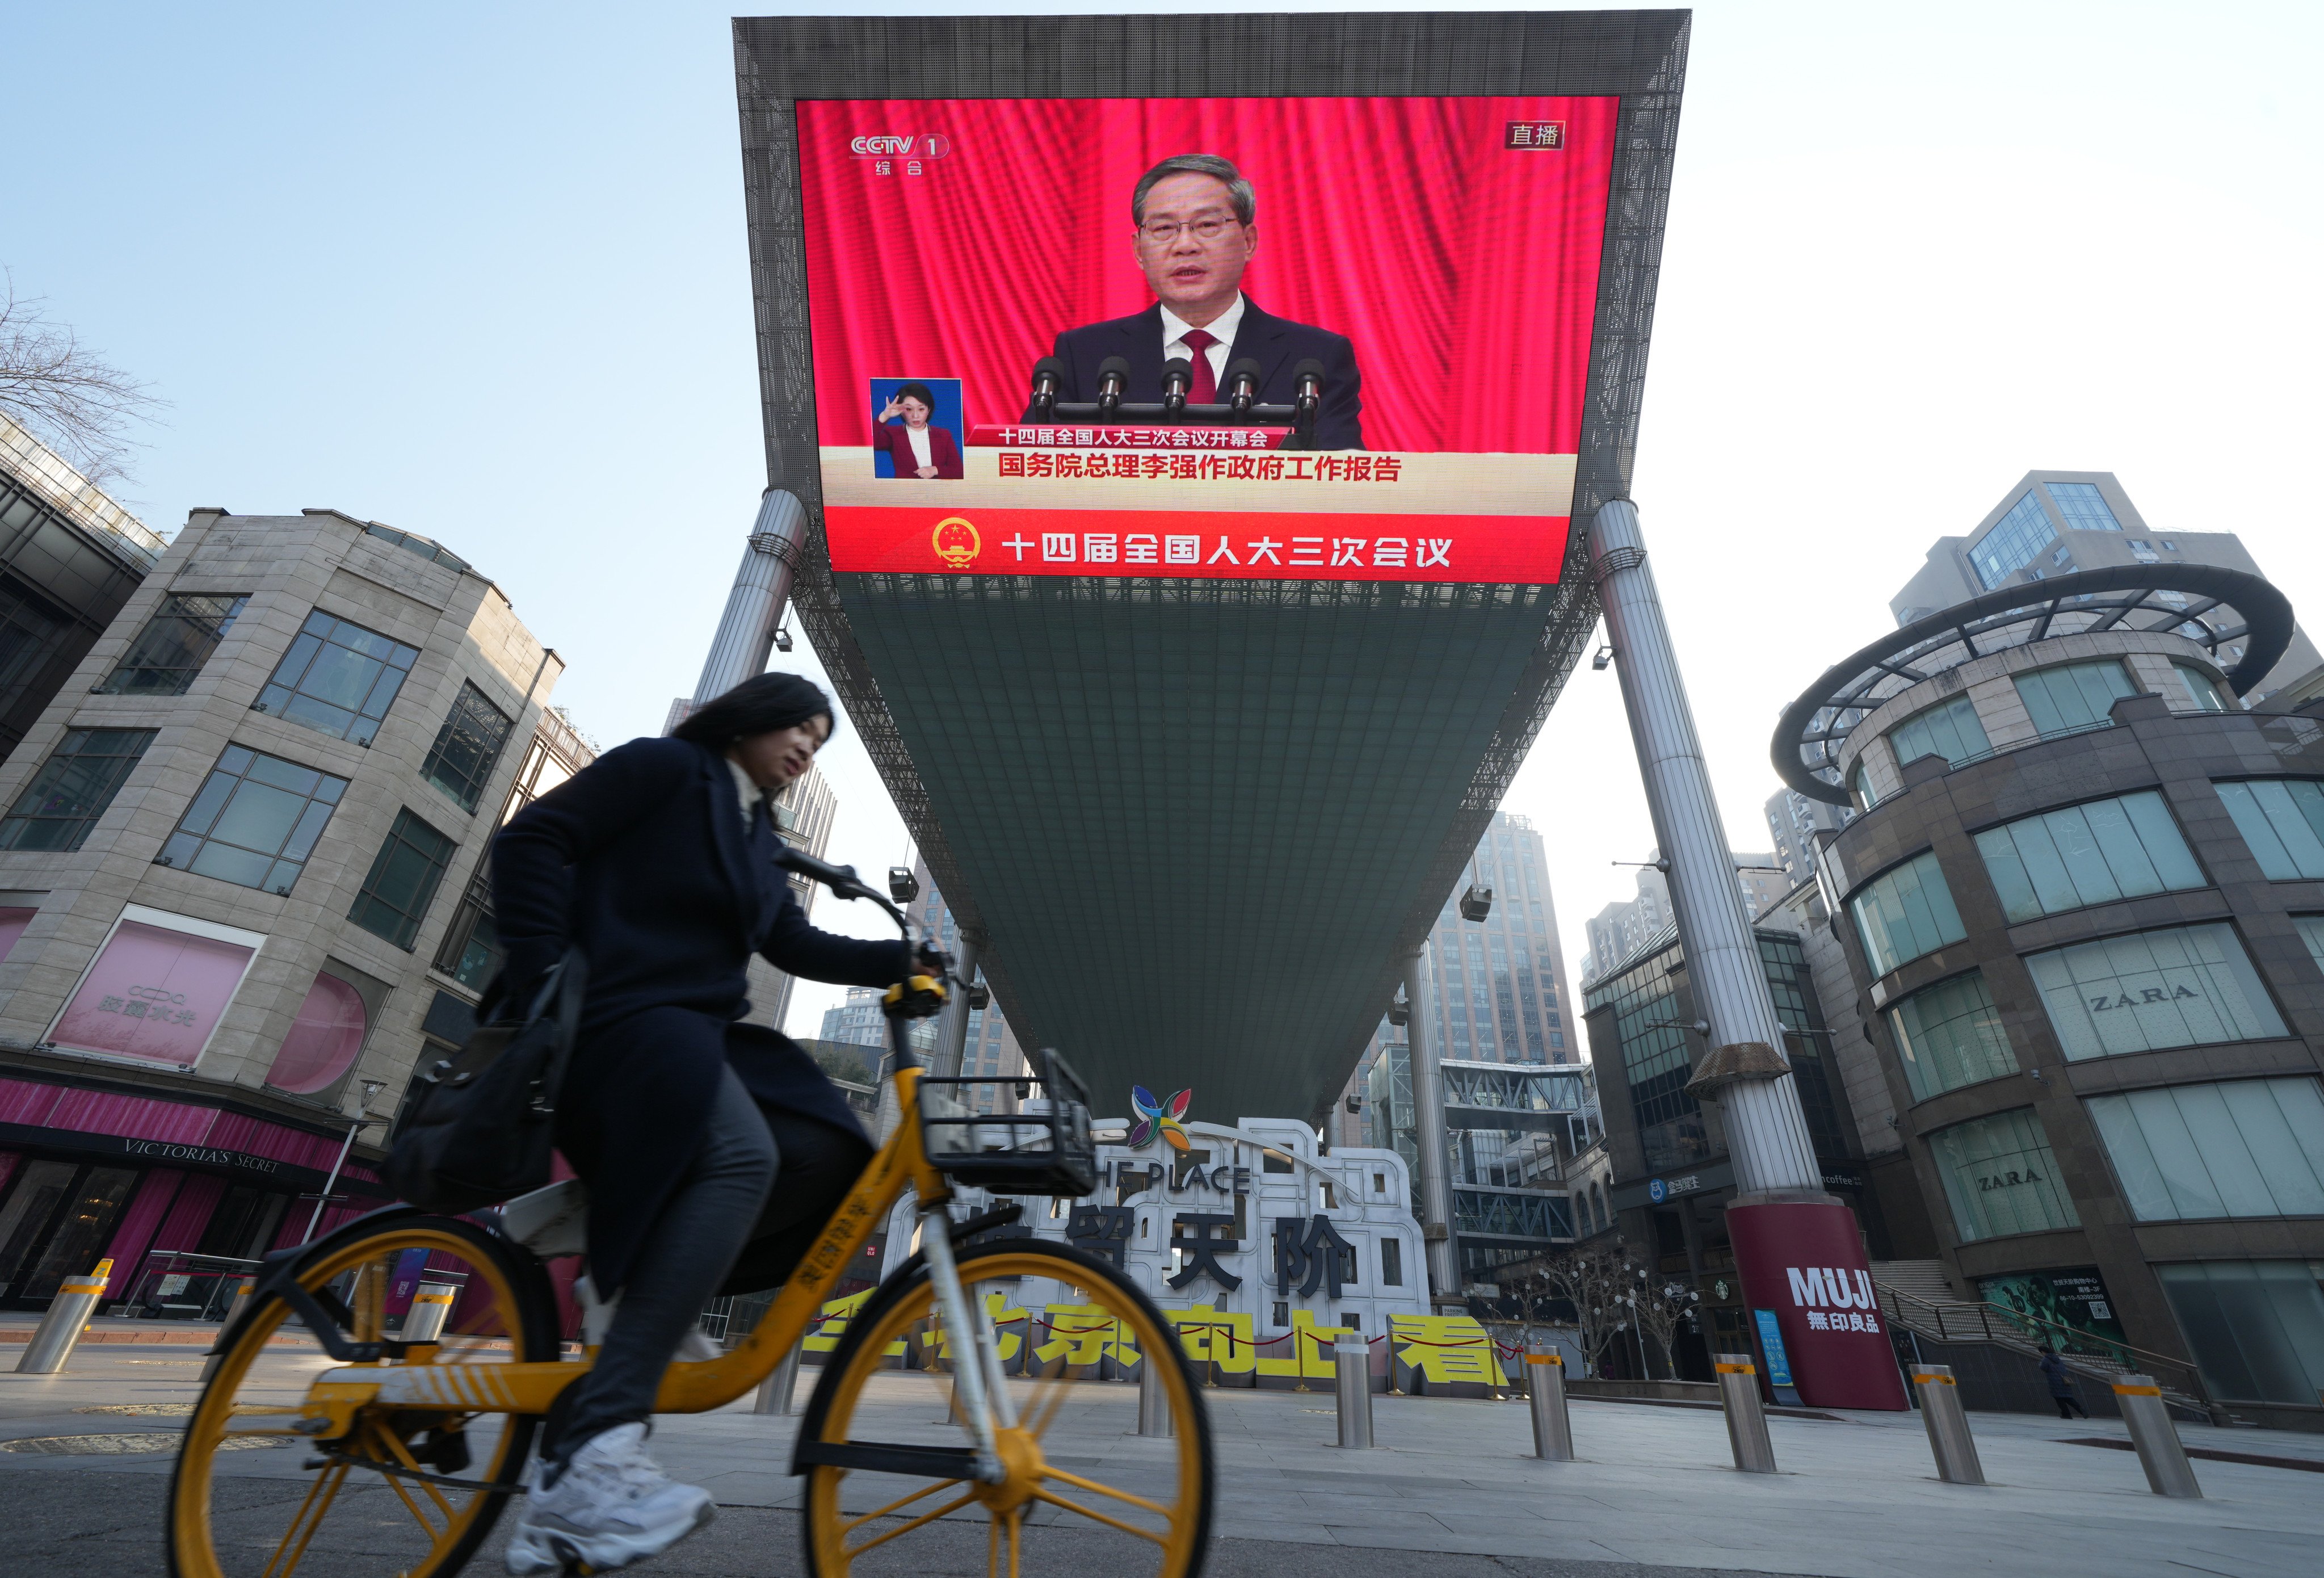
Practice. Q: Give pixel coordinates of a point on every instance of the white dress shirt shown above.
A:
(1175, 328)
(746, 789)
(919, 437)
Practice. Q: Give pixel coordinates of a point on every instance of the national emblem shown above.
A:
(956, 542)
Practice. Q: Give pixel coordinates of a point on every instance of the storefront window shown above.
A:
(1950, 1035)
(2000, 1177)
(2255, 1327)
(2185, 987)
(2242, 1147)
(156, 992)
(1905, 913)
(1949, 730)
(2283, 821)
(2074, 696)
(324, 1039)
(2087, 854)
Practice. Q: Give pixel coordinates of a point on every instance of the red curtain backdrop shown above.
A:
(1465, 272)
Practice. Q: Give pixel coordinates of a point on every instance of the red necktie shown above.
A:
(1205, 390)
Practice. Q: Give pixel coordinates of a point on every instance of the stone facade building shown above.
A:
(2083, 902)
(231, 860)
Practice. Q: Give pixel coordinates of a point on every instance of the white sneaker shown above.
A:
(609, 1508)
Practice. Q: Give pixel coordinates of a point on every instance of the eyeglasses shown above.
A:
(1206, 229)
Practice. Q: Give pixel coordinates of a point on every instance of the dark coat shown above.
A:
(642, 859)
(2054, 1369)
(1278, 344)
(944, 451)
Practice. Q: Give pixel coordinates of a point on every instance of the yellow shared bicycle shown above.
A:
(974, 1410)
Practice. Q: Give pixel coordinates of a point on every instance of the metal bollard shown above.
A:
(60, 1328)
(1351, 1378)
(2160, 1451)
(431, 1306)
(1553, 1426)
(1949, 1437)
(1746, 1421)
(775, 1392)
(1154, 1416)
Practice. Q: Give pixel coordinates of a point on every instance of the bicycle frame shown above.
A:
(902, 1164)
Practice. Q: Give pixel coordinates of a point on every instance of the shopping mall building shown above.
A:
(2082, 908)
(241, 895)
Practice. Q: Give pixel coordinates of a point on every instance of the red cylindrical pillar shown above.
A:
(1805, 1262)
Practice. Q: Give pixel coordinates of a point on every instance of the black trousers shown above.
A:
(2067, 1407)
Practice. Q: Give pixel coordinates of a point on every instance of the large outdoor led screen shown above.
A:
(1429, 267)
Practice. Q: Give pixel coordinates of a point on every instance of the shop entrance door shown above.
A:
(54, 1223)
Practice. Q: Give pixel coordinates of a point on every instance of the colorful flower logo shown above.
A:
(1153, 1116)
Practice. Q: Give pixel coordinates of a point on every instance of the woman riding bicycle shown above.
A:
(713, 1151)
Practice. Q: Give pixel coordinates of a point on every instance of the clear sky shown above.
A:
(480, 272)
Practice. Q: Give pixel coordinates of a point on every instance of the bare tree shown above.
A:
(64, 393)
(1599, 1283)
(1659, 1304)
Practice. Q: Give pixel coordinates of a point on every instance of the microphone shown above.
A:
(1308, 379)
(1177, 379)
(1242, 380)
(1112, 374)
(1048, 373)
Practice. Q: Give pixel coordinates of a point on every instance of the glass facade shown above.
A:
(2241, 1148)
(2013, 542)
(1949, 730)
(1905, 913)
(2083, 506)
(2311, 932)
(467, 747)
(255, 821)
(1790, 982)
(32, 629)
(174, 646)
(1950, 1035)
(2255, 1327)
(73, 788)
(339, 678)
(2205, 692)
(2086, 855)
(395, 896)
(1672, 1129)
(2000, 1177)
(2184, 987)
(2074, 696)
(2283, 821)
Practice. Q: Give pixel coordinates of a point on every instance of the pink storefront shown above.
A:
(171, 1188)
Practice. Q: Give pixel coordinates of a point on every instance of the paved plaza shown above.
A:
(1856, 1496)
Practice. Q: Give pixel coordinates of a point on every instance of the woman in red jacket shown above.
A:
(917, 446)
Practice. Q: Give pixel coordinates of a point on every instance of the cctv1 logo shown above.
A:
(911, 145)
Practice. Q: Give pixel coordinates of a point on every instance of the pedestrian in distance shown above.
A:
(2061, 1385)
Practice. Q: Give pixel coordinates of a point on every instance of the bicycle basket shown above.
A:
(1012, 1136)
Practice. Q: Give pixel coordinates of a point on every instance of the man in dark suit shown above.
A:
(1195, 236)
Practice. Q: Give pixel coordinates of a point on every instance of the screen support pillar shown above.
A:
(1782, 1223)
(952, 1025)
(1428, 1128)
(755, 605)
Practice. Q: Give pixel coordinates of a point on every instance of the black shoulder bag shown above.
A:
(481, 1130)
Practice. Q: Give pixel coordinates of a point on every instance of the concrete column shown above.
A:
(754, 607)
(1767, 1130)
(1428, 1126)
(952, 1025)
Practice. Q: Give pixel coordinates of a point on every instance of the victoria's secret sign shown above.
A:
(200, 1155)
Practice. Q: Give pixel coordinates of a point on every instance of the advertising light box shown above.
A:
(1260, 338)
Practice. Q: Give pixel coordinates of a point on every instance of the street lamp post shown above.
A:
(370, 1087)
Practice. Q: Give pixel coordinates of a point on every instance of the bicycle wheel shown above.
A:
(887, 1455)
(407, 1491)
